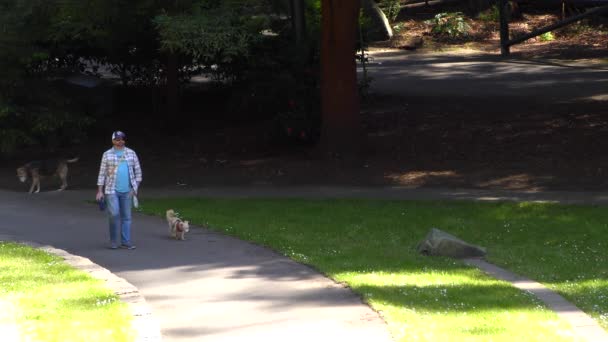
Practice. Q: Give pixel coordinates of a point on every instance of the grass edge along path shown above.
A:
(370, 246)
(53, 301)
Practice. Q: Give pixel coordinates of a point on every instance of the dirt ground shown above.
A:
(490, 143)
(414, 142)
(584, 39)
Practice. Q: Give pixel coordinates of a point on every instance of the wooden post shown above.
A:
(298, 19)
(504, 27)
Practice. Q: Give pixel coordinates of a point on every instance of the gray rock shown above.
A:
(440, 243)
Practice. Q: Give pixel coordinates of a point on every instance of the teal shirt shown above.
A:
(123, 183)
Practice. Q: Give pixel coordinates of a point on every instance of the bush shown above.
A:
(48, 121)
(452, 25)
(490, 15)
(546, 37)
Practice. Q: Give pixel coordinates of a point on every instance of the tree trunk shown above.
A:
(172, 87)
(341, 130)
(298, 19)
(476, 6)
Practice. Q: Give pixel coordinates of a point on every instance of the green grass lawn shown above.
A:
(370, 245)
(47, 300)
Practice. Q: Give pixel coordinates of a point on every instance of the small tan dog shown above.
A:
(43, 168)
(177, 227)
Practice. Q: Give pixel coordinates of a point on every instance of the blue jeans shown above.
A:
(119, 211)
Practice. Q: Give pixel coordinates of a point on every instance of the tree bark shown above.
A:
(341, 129)
(298, 19)
(172, 87)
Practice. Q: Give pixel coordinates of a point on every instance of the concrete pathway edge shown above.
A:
(584, 326)
(143, 323)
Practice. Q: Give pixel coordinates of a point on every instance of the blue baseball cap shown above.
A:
(119, 135)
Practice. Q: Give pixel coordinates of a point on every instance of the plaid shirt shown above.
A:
(109, 168)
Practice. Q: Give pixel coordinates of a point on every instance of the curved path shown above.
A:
(222, 289)
(210, 287)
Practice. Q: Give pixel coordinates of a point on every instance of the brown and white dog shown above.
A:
(177, 227)
(44, 168)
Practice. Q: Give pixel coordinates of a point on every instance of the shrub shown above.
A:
(452, 25)
(490, 15)
(546, 37)
(48, 120)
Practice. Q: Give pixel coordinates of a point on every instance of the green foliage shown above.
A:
(452, 25)
(10, 135)
(276, 70)
(217, 35)
(43, 117)
(546, 37)
(391, 8)
(115, 33)
(244, 41)
(22, 24)
(31, 110)
(273, 80)
(490, 15)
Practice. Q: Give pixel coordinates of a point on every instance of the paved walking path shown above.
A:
(222, 289)
(479, 75)
(210, 287)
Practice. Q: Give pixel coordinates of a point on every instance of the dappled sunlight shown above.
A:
(598, 286)
(591, 296)
(481, 75)
(598, 97)
(49, 300)
(462, 304)
(8, 320)
(419, 177)
(512, 182)
(492, 325)
(425, 277)
(471, 310)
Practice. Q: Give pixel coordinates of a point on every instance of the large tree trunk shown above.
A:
(172, 88)
(341, 130)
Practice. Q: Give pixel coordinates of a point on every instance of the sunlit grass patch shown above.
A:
(50, 301)
(370, 245)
